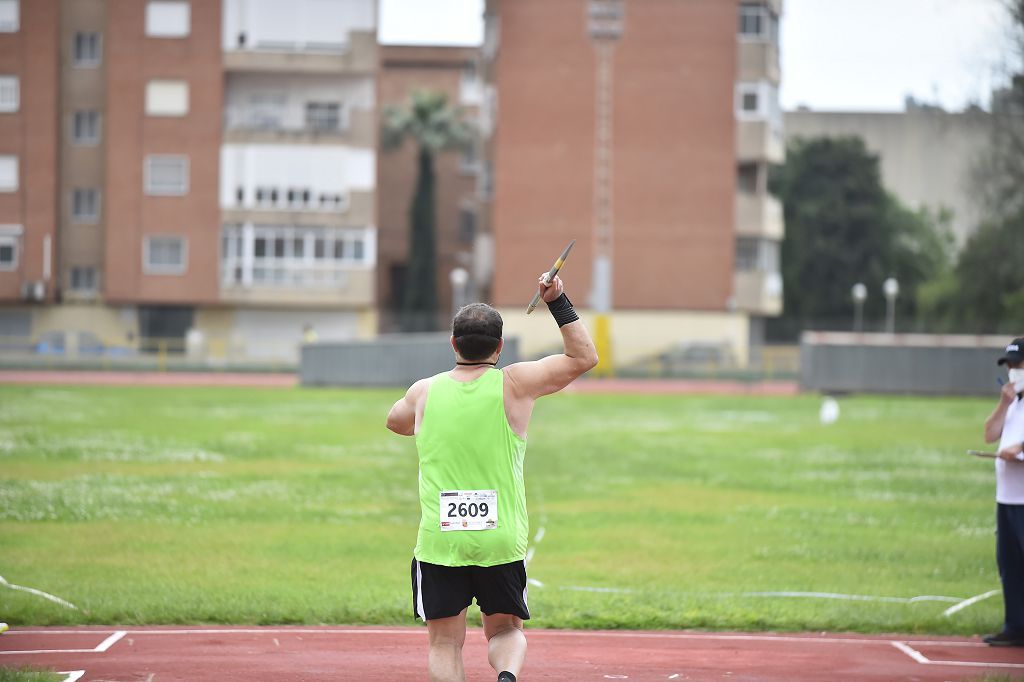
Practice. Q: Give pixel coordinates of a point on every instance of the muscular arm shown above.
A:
(402, 417)
(531, 380)
(994, 423)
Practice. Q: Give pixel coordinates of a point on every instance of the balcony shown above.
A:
(759, 215)
(296, 265)
(759, 61)
(250, 125)
(759, 141)
(357, 208)
(357, 56)
(758, 293)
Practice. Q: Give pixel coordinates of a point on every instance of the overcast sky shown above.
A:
(862, 55)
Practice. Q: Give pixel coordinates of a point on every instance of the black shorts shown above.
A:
(443, 591)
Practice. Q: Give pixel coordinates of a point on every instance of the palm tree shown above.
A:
(434, 126)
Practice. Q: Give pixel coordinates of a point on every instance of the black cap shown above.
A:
(1014, 352)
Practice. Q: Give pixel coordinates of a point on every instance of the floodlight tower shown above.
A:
(604, 25)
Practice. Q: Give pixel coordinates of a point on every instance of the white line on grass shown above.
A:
(72, 675)
(853, 597)
(38, 593)
(969, 601)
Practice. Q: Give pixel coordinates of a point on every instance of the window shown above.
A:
(167, 19)
(164, 255)
(10, 93)
(166, 175)
(85, 127)
(757, 255)
(747, 178)
(85, 205)
(758, 22)
(323, 115)
(8, 173)
(83, 279)
(87, 49)
(8, 252)
(758, 101)
(166, 98)
(467, 225)
(9, 16)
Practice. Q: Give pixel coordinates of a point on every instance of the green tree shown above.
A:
(842, 227)
(433, 126)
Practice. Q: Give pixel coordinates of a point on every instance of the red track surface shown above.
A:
(287, 654)
(646, 386)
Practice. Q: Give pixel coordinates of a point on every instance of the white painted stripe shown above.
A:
(72, 675)
(419, 593)
(38, 593)
(110, 641)
(912, 652)
(49, 651)
(534, 582)
(529, 555)
(584, 588)
(540, 535)
(852, 597)
(976, 664)
(968, 602)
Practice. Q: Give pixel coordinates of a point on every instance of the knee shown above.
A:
(447, 640)
(504, 629)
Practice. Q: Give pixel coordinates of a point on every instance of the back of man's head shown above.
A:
(477, 331)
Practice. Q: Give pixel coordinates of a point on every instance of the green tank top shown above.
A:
(466, 445)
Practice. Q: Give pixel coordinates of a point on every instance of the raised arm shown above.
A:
(402, 417)
(548, 375)
(994, 423)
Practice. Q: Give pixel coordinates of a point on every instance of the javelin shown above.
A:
(979, 453)
(551, 274)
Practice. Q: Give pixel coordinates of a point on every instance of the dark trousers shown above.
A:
(1010, 557)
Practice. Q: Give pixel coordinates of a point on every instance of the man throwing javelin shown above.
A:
(470, 426)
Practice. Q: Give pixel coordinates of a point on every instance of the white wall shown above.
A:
(277, 334)
(319, 168)
(296, 24)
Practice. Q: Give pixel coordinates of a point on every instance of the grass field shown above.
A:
(168, 505)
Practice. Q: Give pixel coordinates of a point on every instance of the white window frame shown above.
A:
(86, 62)
(86, 141)
(158, 9)
(14, 241)
(10, 93)
(768, 108)
(81, 269)
(17, 178)
(90, 219)
(147, 185)
(151, 104)
(315, 112)
(150, 268)
(14, 25)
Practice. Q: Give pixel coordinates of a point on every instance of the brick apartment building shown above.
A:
(168, 165)
(673, 170)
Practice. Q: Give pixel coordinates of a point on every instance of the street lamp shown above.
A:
(891, 289)
(860, 294)
(459, 277)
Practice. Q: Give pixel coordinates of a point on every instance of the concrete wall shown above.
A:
(389, 360)
(926, 156)
(901, 363)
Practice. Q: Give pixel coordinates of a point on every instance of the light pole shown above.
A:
(891, 289)
(459, 278)
(860, 294)
(604, 25)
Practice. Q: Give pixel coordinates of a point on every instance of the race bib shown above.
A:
(469, 509)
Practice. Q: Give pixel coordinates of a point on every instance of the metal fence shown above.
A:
(928, 364)
(388, 360)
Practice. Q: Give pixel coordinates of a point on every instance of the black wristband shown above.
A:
(562, 310)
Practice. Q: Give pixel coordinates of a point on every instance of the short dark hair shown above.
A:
(477, 331)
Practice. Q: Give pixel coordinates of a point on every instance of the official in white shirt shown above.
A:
(1006, 424)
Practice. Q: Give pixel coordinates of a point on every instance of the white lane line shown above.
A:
(72, 675)
(539, 536)
(673, 676)
(585, 588)
(529, 555)
(912, 652)
(534, 582)
(853, 597)
(38, 593)
(49, 651)
(969, 601)
(110, 641)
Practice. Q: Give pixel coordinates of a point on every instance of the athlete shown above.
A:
(470, 426)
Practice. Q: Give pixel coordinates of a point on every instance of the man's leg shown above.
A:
(1010, 530)
(506, 642)
(447, 635)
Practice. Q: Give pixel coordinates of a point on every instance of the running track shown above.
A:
(290, 654)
